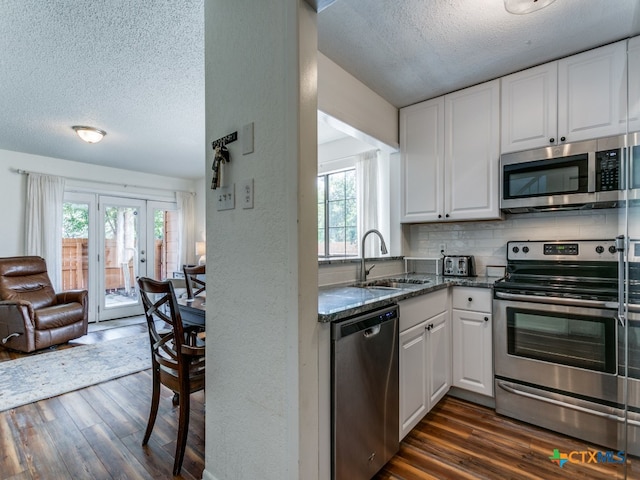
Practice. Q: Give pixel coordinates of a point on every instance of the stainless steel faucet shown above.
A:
(383, 249)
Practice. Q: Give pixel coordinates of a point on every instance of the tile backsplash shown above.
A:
(487, 241)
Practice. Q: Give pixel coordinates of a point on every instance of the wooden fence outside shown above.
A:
(75, 265)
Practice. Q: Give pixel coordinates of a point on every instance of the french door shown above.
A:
(122, 255)
(109, 241)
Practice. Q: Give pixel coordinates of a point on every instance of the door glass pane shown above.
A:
(121, 255)
(165, 244)
(75, 243)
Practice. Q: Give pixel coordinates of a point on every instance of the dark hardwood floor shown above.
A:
(462, 440)
(96, 433)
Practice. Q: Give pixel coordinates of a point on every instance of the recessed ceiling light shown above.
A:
(89, 134)
(520, 7)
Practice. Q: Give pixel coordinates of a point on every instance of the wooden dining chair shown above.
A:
(176, 362)
(193, 278)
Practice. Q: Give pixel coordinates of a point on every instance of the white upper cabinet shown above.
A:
(529, 118)
(471, 152)
(592, 93)
(450, 150)
(422, 145)
(634, 84)
(576, 98)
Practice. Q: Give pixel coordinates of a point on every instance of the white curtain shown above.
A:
(370, 206)
(43, 223)
(186, 229)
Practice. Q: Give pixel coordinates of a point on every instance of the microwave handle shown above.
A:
(591, 165)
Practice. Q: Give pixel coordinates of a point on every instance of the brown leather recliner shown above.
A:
(32, 315)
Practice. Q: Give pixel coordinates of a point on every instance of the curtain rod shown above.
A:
(103, 182)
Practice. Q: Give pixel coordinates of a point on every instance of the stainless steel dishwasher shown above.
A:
(364, 393)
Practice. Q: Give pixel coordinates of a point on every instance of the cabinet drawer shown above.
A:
(472, 298)
(417, 309)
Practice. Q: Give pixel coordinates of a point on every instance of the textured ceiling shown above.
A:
(135, 68)
(411, 50)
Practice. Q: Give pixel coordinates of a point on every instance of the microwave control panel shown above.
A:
(608, 167)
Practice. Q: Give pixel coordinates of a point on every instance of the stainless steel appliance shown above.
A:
(459, 266)
(585, 174)
(634, 167)
(364, 391)
(559, 340)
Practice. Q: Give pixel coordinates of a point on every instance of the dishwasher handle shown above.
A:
(371, 332)
(368, 323)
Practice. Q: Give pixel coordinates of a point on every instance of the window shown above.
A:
(337, 214)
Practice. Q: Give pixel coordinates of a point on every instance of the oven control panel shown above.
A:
(561, 249)
(583, 250)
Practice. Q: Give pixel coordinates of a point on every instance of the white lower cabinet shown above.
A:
(472, 340)
(425, 355)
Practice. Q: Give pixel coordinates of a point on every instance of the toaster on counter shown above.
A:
(459, 266)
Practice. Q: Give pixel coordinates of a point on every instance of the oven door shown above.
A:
(553, 368)
(564, 348)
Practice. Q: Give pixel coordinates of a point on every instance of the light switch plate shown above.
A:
(246, 193)
(226, 197)
(247, 139)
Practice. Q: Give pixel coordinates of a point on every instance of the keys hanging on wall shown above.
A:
(221, 157)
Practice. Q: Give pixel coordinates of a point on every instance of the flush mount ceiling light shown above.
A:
(520, 7)
(89, 134)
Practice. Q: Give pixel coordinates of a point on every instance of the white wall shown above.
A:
(13, 187)
(200, 188)
(347, 99)
(488, 240)
(262, 318)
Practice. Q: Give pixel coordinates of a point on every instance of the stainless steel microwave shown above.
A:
(587, 174)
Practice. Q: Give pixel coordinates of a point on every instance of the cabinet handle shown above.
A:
(470, 299)
(486, 319)
(439, 216)
(562, 139)
(551, 140)
(447, 215)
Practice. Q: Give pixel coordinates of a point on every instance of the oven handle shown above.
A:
(571, 406)
(570, 302)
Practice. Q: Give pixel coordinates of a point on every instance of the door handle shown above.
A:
(142, 260)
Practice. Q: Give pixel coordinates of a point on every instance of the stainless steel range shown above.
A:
(560, 336)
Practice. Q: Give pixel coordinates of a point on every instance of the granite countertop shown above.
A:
(339, 302)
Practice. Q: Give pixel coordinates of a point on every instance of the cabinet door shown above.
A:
(438, 357)
(592, 93)
(529, 114)
(472, 143)
(633, 58)
(413, 378)
(472, 351)
(422, 144)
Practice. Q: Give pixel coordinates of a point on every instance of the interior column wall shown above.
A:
(262, 367)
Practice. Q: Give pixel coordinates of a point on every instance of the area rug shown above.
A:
(29, 379)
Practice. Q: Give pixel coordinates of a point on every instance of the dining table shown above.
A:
(192, 310)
